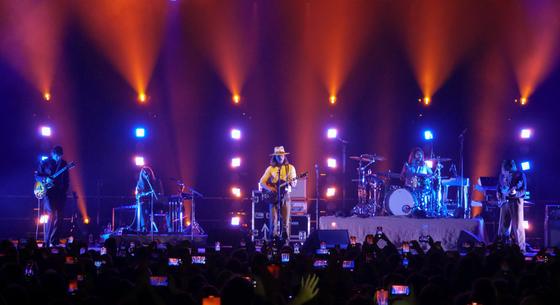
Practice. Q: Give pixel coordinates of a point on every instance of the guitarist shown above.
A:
(279, 171)
(512, 186)
(55, 198)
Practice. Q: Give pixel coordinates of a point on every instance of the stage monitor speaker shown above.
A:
(331, 237)
(552, 226)
(467, 240)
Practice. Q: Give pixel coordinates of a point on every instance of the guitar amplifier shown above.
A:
(260, 217)
(298, 207)
(299, 227)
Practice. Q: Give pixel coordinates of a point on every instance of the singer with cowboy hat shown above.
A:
(279, 171)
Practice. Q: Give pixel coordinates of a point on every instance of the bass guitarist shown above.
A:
(512, 186)
(279, 172)
(55, 198)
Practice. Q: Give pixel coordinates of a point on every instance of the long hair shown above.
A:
(151, 176)
(509, 165)
(274, 163)
(413, 153)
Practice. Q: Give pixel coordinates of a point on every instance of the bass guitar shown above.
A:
(46, 183)
(271, 196)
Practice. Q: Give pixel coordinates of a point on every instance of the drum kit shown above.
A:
(390, 193)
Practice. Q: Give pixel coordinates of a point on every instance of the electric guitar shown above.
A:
(46, 183)
(271, 196)
(511, 192)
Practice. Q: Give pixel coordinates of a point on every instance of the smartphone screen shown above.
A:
(323, 251)
(199, 260)
(158, 281)
(405, 247)
(103, 251)
(320, 264)
(217, 247)
(382, 297)
(349, 265)
(211, 300)
(173, 261)
(201, 250)
(72, 286)
(405, 262)
(70, 260)
(285, 257)
(400, 290)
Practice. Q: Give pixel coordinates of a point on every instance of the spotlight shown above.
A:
(331, 162)
(525, 165)
(425, 100)
(526, 225)
(332, 99)
(526, 133)
(43, 157)
(235, 220)
(236, 134)
(140, 132)
(45, 131)
(332, 133)
(333, 224)
(428, 135)
(142, 97)
(47, 96)
(43, 219)
(139, 161)
(235, 162)
(86, 220)
(236, 99)
(331, 191)
(235, 191)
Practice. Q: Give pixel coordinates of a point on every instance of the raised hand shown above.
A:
(307, 291)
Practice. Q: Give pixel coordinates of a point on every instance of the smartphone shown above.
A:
(158, 281)
(72, 286)
(541, 259)
(201, 251)
(173, 261)
(54, 250)
(29, 270)
(348, 265)
(320, 264)
(98, 264)
(405, 247)
(296, 248)
(211, 300)
(382, 297)
(400, 290)
(217, 247)
(323, 251)
(199, 260)
(285, 258)
(70, 260)
(379, 232)
(82, 251)
(70, 239)
(258, 249)
(103, 251)
(405, 262)
(323, 245)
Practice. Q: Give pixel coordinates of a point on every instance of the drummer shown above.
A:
(415, 168)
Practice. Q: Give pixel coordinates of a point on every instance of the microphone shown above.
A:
(463, 133)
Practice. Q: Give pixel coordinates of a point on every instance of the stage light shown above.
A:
(235, 162)
(526, 225)
(333, 224)
(428, 135)
(526, 133)
(235, 221)
(142, 97)
(425, 100)
(139, 161)
(331, 162)
(86, 220)
(332, 133)
(140, 132)
(47, 96)
(45, 131)
(522, 101)
(525, 165)
(43, 219)
(236, 134)
(331, 191)
(235, 191)
(332, 99)
(429, 163)
(236, 99)
(43, 157)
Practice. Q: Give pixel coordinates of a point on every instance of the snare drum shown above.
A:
(400, 202)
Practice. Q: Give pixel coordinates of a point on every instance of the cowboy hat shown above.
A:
(279, 151)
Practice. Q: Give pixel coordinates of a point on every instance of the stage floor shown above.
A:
(400, 229)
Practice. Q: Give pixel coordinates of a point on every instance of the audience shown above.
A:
(375, 272)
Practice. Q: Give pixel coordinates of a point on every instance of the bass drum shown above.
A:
(400, 202)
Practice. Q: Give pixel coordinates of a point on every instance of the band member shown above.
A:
(512, 186)
(279, 171)
(55, 199)
(415, 166)
(145, 195)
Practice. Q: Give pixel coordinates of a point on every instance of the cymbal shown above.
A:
(440, 159)
(367, 158)
(389, 174)
(362, 159)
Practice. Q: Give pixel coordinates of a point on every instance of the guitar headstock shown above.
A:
(71, 165)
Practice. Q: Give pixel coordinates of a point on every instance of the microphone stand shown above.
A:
(316, 197)
(463, 202)
(194, 224)
(279, 200)
(153, 197)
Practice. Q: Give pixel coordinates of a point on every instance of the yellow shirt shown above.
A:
(287, 172)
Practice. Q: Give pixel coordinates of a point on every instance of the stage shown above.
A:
(400, 229)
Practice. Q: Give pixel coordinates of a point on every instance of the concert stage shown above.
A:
(400, 229)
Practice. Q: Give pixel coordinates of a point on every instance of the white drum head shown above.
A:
(400, 202)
